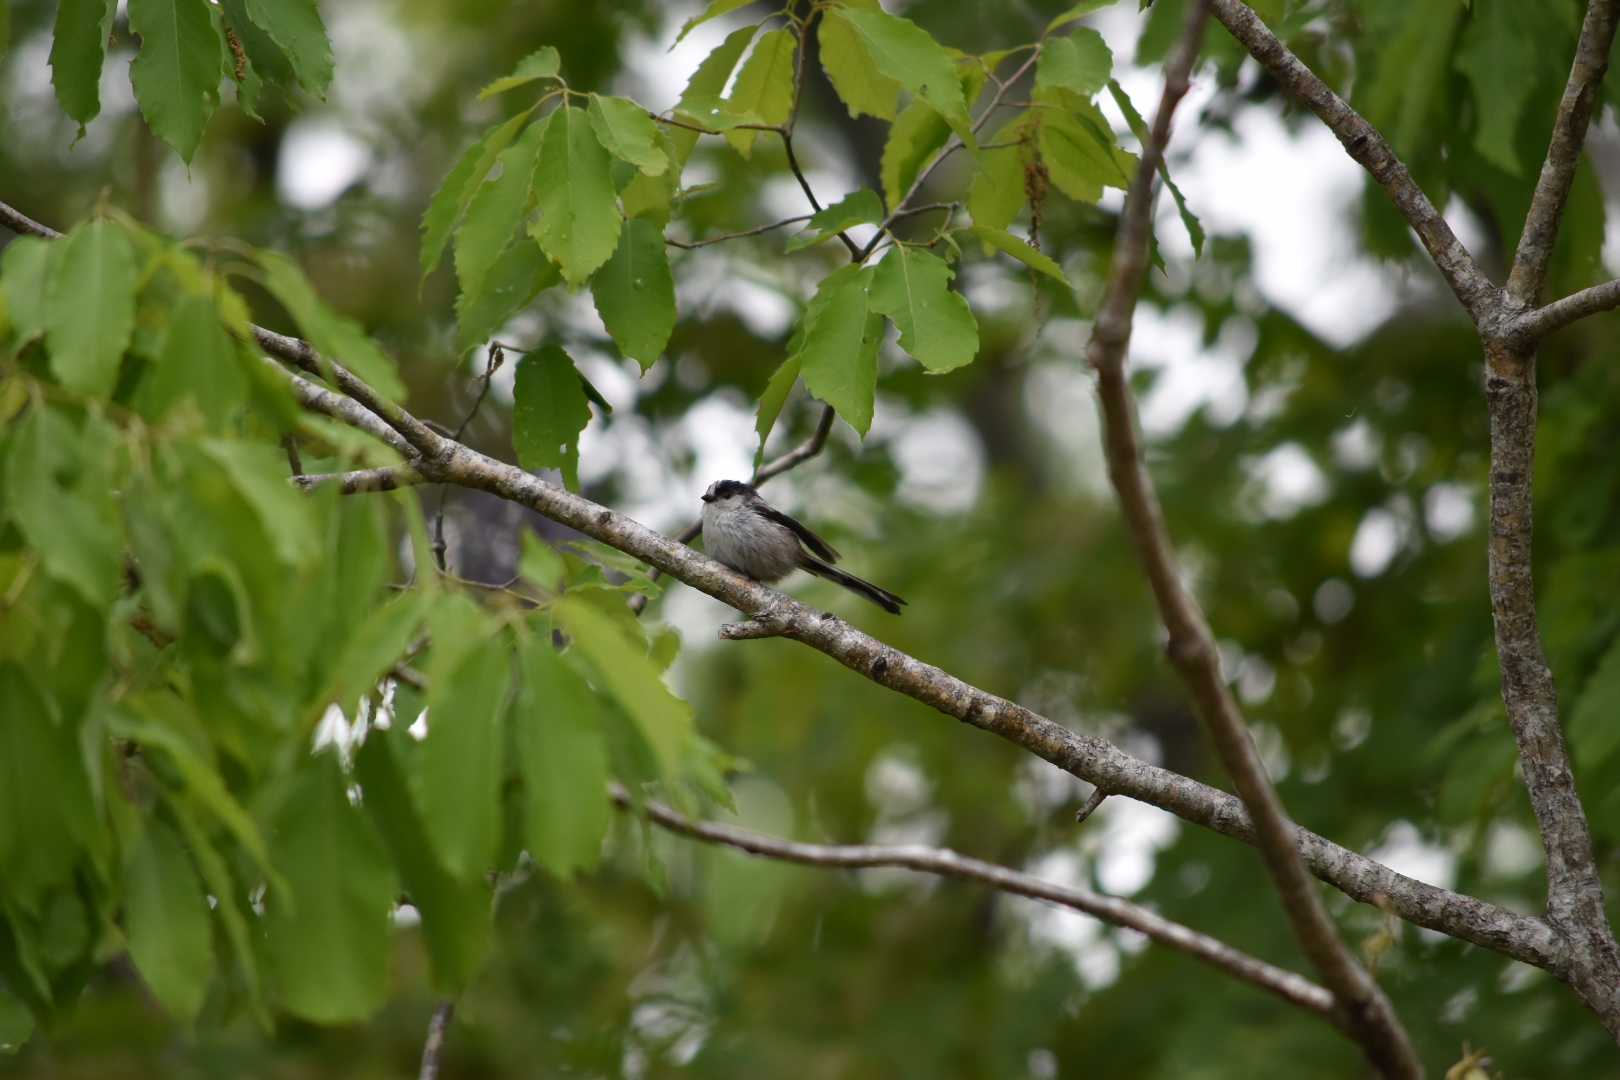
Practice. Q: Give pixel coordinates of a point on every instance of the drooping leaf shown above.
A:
(635, 294)
(715, 9)
(579, 218)
(455, 913)
(772, 400)
(833, 356)
(177, 72)
(25, 274)
(199, 362)
(327, 934)
(456, 191)
(78, 46)
(496, 211)
(460, 767)
(861, 207)
(854, 74)
(1081, 62)
(652, 197)
(520, 273)
(1189, 220)
(705, 85)
(371, 648)
(764, 87)
(1079, 153)
(912, 287)
(336, 337)
(562, 760)
(259, 473)
(1593, 734)
(1078, 11)
(543, 63)
(295, 25)
(1019, 249)
(997, 193)
(908, 54)
(1496, 57)
(549, 411)
(167, 921)
(626, 131)
(917, 134)
(90, 306)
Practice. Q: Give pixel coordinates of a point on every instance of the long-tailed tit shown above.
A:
(748, 534)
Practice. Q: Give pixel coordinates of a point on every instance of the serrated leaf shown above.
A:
(772, 400)
(579, 217)
(176, 74)
(626, 131)
(833, 355)
(1189, 220)
(715, 9)
(25, 274)
(635, 294)
(563, 762)
(861, 207)
(521, 272)
(199, 362)
(460, 767)
(336, 337)
(259, 473)
(996, 194)
(1505, 69)
(548, 413)
(167, 921)
(265, 57)
(295, 26)
(764, 88)
(652, 196)
(1079, 157)
(1031, 257)
(853, 73)
(327, 934)
(624, 670)
(1081, 62)
(496, 211)
(456, 191)
(917, 134)
(373, 646)
(1078, 11)
(912, 287)
(90, 306)
(908, 54)
(706, 83)
(455, 914)
(543, 63)
(78, 48)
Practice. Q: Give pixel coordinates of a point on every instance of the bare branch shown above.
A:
(1372, 1021)
(692, 245)
(20, 223)
(1537, 324)
(1362, 142)
(362, 480)
(1292, 988)
(1093, 801)
(1575, 111)
(319, 399)
(433, 1047)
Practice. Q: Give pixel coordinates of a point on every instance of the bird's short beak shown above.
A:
(706, 497)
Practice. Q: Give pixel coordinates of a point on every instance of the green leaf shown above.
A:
(625, 671)
(24, 273)
(259, 473)
(327, 933)
(496, 211)
(370, 649)
(265, 57)
(541, 564)
(1081, 62)
(579, 218)
(861, 207)
(833, 355)
(652, 196)
(854, 74)
(230, 898)
(455, 913)
(90, 306)
(715, 9)
(1499, 56)
(1594, 734)
(1189, 220)
(706, 83)
(199, 363)
(177, 73)
(73, 531)
(78, 46)
(917, 134)
(764, 87)
(912, 287)
(907, 53)
(16, 1022)
(1031, 257)
(772, 400)
(1079, 11)
(295, 26)
(635, 294)
(562, 760)
(167, 921)
(450, 201)
(543, 63)
(626, 131)
(996, 194)
(548, 413)
(460, 767)
(334, 336)
(520, 273)
(1079, 152)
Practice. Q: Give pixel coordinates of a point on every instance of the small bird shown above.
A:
(748, 534)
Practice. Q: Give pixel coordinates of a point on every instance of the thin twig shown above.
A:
(1369, 1017)
(1093, 801)
(294, 461)
(433, 1046)
(1295, 989)
(690, 245)
(1537, 324)
(492, 364)
(360, 481)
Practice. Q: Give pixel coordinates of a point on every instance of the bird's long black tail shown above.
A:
(883, 598)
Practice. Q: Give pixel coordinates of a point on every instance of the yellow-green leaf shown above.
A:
(90, 306)
(912, 287)
(764, 87)
(635, 294)
(579, 217)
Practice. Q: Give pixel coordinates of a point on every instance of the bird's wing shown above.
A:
(816, 544)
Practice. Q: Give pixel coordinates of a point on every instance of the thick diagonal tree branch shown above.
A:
(1371, 1020)
(1575, 111)
(1368, 147)
(1292, 988)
